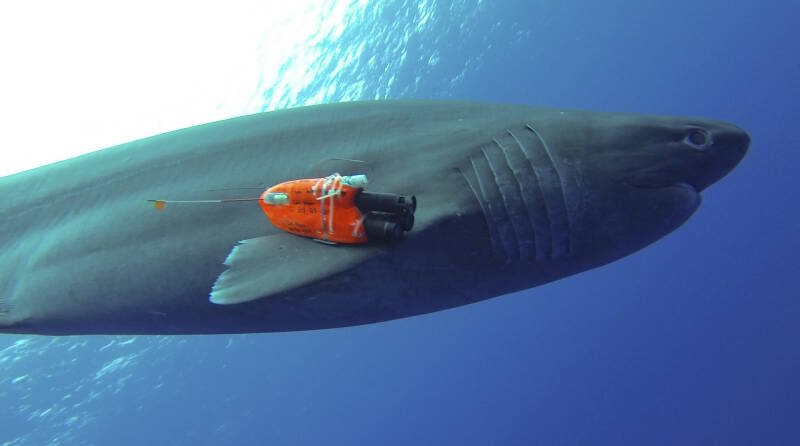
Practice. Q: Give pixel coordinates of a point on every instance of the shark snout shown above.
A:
(706, 152)
(728, 147)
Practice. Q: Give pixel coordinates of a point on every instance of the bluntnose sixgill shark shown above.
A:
(509, 197)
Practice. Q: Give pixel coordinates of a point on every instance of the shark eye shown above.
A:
(698, 138)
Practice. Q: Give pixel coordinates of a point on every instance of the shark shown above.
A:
(508, 197)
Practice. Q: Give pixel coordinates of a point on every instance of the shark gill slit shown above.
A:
(552, 186)
(529, 192)
(511, 196)
(536, 203)
(495, 207)
(5, 308)
(468, 174)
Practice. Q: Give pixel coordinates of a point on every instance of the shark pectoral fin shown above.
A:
(264, 266)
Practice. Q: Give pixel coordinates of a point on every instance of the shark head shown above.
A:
(641, 177)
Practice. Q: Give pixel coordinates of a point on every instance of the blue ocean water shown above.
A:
(690, 341)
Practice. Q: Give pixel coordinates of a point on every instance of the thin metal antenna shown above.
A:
(237, 188)
(161, 204)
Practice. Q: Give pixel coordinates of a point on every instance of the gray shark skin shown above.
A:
(510, 197)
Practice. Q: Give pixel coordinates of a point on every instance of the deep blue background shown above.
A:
(693, 340)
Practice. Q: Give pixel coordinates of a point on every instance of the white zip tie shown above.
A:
(316, 185)
(331, 188)
(358, 225)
